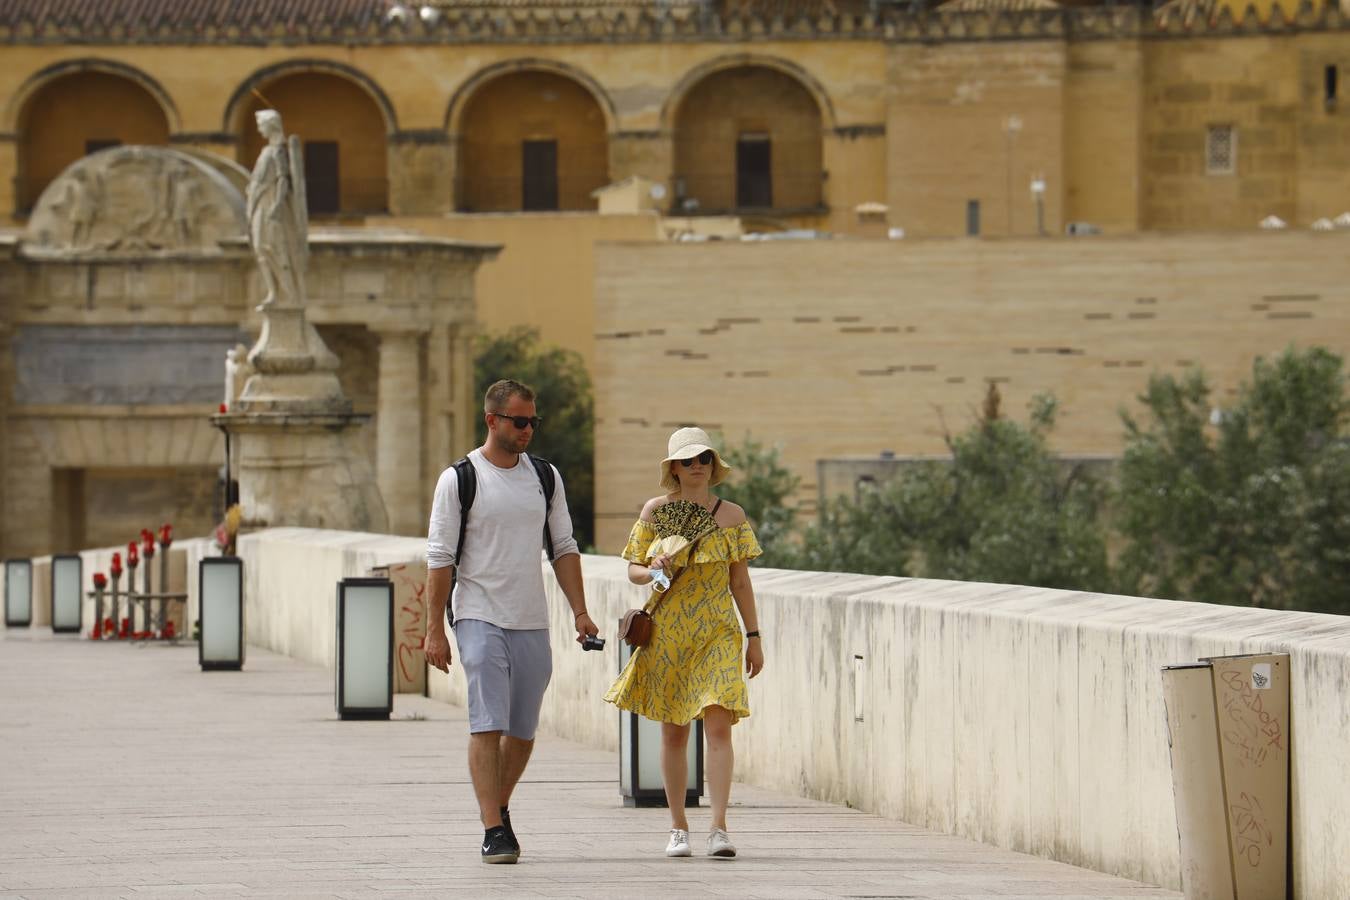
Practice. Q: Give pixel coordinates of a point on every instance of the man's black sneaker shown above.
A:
(498, 846)
(510, 832)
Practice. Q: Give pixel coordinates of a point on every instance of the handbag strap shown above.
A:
(661, 595)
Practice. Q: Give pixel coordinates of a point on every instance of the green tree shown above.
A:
(1005, 510)
(762, 486)
(562, 387)
(1249, 505)
(869, 535)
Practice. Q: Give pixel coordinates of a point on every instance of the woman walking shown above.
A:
(692, 668)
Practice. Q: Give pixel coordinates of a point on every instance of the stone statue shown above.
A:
(278, 223)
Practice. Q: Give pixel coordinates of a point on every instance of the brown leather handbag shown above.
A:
(635, 629)
(636, 626)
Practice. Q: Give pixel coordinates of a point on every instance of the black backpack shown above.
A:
(466, 481)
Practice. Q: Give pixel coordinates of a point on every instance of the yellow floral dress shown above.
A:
(695, 658)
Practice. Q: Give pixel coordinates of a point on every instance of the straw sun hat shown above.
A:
(686, 444)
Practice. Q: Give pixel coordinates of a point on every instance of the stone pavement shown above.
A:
(125, 770)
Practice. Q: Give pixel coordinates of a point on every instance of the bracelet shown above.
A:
(579, 615)
(750, 634)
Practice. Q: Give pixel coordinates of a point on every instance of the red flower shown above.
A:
(116, 566)
(133, 555)
(165, 534)
(100, 580)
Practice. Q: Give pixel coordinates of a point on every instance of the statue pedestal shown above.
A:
(299, 460)
(304, 469)
(295, 371)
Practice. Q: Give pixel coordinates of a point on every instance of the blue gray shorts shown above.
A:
(508, 671)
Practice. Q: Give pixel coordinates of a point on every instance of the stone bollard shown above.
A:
(147, 593)
(165, 540)
(100, 583)
(133, 562)
(110, 627)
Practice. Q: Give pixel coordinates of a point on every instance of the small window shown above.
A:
(754, 171)
(972, 218)
(539, 175)
(322, 187)
(1329, 79)
(93, 145)
(1221, 150)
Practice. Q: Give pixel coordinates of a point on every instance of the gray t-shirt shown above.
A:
(500, 579)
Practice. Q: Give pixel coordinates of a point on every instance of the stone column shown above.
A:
(467, 407)
(398, 439)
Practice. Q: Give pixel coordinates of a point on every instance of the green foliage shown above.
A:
(564, 399)
(1006, 511)
(1254, 510)
(1001, 510)
(762, 486)
(868, 535)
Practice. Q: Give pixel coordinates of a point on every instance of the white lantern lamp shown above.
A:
(220, 601)
(18, 593)
(640, 781)
(365, 648)
(67, 604)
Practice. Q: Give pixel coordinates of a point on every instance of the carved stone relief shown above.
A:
(135, 201)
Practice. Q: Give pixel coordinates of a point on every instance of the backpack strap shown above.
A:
(544, 470)
(466, 487)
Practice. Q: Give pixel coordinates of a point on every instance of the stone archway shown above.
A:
(344, 122)
(747, 137)
(530, 139)
(78, 109)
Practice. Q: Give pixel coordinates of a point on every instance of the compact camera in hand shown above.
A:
(593, 643)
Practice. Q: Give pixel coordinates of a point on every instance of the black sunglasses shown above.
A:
(706, 457)
(520, 421)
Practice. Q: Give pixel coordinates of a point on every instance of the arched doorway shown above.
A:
(344, 134)
(533, 141)
(748, 137)
(80, 113)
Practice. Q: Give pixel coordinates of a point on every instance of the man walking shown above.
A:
(500, 617)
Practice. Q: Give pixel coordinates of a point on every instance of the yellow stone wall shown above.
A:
(1252, 84)
(975, 121)
(848, 347)
(1103, 100)
(546, 271)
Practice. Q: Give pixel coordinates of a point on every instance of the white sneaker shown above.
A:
(719, 844)
(679, 843)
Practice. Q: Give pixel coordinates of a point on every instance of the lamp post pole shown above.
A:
(1038, 194)
(1011, 127)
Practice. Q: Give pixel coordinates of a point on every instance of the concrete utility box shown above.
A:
(410, 624)
(1197, 778)
(1228, 731)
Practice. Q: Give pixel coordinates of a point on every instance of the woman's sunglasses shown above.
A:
(521, 421)
(706, 458)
